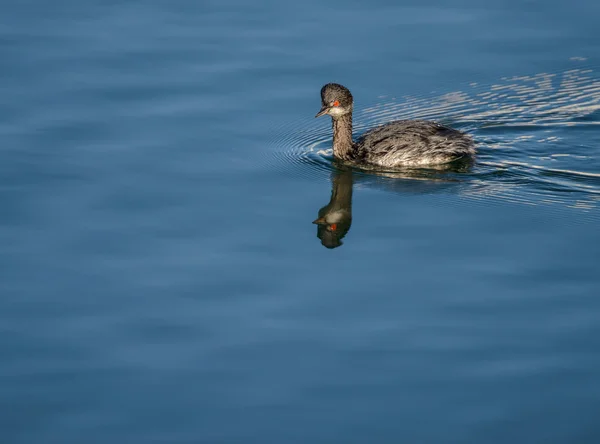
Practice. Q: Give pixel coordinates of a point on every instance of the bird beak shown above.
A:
(324, 110)
(321, 220)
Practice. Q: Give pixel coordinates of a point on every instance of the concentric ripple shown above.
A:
(308, 146)
(533, 135)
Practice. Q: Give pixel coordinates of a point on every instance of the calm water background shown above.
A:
(160, 277)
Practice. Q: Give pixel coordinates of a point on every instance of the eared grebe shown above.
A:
(396, 144)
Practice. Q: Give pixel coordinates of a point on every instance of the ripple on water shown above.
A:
(532, 134)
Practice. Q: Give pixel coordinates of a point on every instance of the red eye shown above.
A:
(336, 103)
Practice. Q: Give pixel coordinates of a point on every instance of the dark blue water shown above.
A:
(160, 277)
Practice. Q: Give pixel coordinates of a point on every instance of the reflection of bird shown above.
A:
(335, 218)
(395, 144)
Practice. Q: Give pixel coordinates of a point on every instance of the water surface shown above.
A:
(161, 278)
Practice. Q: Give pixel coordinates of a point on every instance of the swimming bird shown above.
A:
(401, 143)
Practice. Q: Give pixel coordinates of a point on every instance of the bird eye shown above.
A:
(336, 103)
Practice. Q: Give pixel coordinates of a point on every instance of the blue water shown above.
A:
(160, 277)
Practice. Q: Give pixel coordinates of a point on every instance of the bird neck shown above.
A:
(342, 136)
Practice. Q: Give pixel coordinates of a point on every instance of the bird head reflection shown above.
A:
(335, 218)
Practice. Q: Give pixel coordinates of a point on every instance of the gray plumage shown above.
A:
(396, 144)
